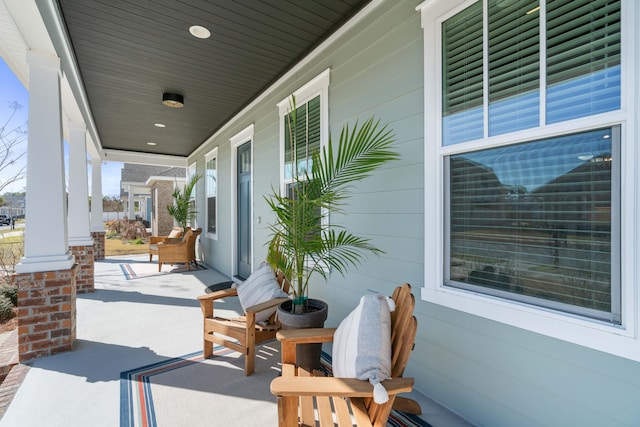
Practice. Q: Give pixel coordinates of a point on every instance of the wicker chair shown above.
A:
(176, 234)
(183, 252)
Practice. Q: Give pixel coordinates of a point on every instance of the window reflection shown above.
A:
(535, 219)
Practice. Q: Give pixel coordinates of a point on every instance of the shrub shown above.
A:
(10, 255)
(126, 230)
(6, 308)
(10, 291)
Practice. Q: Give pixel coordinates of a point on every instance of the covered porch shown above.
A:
(108, 77)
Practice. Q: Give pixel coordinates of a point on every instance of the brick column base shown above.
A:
(98, 244)
(85, 262)
(46, 312)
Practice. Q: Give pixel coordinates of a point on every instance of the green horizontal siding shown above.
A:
(490, 373)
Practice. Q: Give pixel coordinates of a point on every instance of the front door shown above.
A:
(244, 210)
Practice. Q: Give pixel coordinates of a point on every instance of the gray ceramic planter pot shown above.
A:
(307, 355)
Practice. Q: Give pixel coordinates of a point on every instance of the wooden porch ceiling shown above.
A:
(129, 52)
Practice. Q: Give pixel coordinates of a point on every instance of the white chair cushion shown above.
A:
(175, 232)
(260, 287)
(362, 344)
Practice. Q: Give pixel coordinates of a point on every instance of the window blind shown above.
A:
(212, 191)
(532, 222)
(514, 66)
(462, 75)
(583, 58)
(307, 137)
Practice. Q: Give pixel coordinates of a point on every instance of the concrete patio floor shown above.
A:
(124, 324)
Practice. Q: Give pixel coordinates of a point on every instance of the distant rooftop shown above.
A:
(140, 173)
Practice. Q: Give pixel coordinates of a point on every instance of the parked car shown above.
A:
(5, 220)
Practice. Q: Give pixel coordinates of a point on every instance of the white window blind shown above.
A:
(306, 139)
(462, 77)
(580, 59)
(533, 222)
(514, 66)
(583, 58)
(212, 194)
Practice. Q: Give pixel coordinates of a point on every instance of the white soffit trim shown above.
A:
(13, 46)
(144, 158)
(153, 179)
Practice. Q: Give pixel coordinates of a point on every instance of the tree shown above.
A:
(112, 204)
(181, 209)
(11, 149)
(303, 241)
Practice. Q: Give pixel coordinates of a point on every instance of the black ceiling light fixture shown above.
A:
(173, 100)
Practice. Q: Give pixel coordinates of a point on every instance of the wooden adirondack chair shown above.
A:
(243, 329)
(309, 399)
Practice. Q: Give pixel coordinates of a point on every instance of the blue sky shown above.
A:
(11, 89)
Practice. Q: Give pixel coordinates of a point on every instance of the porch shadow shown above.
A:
(223, 374)
(109, 295)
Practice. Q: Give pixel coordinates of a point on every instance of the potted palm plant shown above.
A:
(303, 240)
(181, 209)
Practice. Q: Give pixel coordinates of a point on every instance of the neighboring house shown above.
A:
(513, 210)
(151, 188)
(14, 205)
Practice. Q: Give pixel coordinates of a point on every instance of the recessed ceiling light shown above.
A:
(160, 125)
(199, 32)
(151, 143)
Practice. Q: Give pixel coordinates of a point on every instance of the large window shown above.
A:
(212, 192)
(532, 214)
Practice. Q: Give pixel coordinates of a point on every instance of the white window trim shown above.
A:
(191, 172)
(319, 85)
(622, 340)
(245, 135)
(210, 155)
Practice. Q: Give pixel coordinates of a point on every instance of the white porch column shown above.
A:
(80, 240)
(132, 214)
(97, 223)
(78, 220)
(45, 244)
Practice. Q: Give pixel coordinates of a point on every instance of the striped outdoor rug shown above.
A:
(193, 391)
(143, 269)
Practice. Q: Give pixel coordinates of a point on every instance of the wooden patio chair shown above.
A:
(176, 233)
(309, 399)
(182, 251)
(243, 333)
